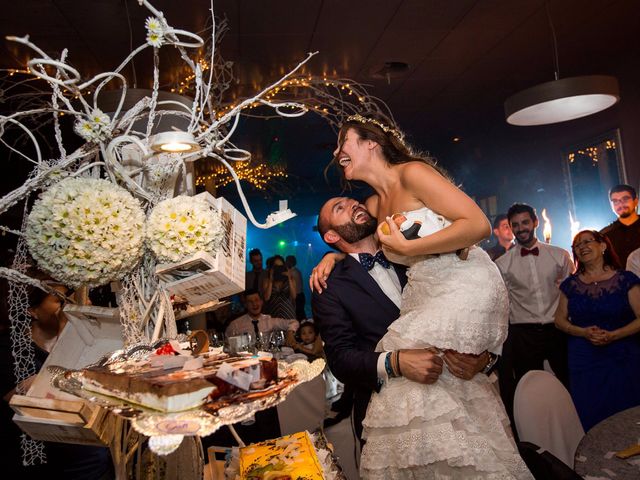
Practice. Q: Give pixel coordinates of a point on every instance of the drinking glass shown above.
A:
(277, 340)
(216, 339)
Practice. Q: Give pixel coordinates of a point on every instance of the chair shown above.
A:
(546, 416)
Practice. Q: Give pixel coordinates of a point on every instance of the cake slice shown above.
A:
(155, 388)
(161, 383)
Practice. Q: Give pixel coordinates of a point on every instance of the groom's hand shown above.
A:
(420, 365)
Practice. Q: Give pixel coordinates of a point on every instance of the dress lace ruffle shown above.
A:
(453, 303)
(453, 428)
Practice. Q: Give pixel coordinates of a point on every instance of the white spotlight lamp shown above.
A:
(562, 100)
(174, 142)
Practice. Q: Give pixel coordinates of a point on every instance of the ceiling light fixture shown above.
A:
(174, 142)
(389, 70)
(561, 99)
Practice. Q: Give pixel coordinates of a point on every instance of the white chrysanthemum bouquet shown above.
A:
(86, 231)
(180, 227)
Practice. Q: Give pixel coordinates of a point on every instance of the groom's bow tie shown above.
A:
(367, 260)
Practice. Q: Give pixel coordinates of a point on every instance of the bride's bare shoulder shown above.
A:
(410, 169)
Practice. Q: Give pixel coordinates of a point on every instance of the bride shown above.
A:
(452, 428)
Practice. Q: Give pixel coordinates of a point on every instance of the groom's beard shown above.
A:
(354, 232)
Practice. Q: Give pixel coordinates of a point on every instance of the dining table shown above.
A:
(596, 454)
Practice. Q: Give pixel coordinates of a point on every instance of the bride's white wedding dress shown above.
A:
(453, 428)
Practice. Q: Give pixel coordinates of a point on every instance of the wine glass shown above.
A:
(216, 339)
(277, 340)
(261, 341)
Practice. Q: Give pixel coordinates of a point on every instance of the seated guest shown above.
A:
(63, 460)
(309, 340)
(599, 309)
(255, 321)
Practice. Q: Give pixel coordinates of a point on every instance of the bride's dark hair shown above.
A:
(395, 149)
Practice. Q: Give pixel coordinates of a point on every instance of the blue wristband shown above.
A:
(387, 366)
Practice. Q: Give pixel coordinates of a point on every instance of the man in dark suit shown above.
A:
(358, 303)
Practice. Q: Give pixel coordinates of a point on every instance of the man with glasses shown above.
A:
(624, 233)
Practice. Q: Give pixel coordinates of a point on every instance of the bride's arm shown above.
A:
(469, 224)
(320, 273)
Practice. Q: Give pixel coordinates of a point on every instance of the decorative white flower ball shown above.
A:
(182, 226)
(85, 231)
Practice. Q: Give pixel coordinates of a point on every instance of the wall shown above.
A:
(524, 164)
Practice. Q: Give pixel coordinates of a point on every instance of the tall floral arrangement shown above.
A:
(182, 226)
(86, 231)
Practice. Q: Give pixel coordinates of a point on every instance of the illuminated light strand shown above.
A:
(591, 152)
(258, 175)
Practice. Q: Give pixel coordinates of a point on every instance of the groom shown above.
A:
(358, 303)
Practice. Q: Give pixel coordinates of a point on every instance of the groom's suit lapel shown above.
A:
(353, 269)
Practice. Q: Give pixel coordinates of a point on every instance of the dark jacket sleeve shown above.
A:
(347, 362)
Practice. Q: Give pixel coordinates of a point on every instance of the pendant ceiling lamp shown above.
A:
(561, 99)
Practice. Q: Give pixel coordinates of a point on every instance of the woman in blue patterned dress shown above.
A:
(599, 309)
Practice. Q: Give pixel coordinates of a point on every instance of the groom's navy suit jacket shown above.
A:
(353, 314)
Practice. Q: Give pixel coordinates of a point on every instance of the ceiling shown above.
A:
(465, 57)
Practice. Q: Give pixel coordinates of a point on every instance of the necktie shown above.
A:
(525, 251)
(368, 261)
(255, 328)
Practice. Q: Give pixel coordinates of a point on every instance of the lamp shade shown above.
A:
(174, 142)
(562, 100)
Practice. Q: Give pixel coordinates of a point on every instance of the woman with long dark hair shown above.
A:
(453, 428)
(279, 287)
(600, 311)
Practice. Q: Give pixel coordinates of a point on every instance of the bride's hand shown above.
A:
(320, 273)
(392, 238)
(465, 365)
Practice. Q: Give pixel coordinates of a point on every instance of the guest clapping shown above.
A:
(599, 309)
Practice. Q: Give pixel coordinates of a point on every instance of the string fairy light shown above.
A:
(592, 152)
(258, 175)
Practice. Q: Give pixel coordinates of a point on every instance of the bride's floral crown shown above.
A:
(360, 119)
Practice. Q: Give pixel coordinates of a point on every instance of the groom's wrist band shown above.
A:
(392, 364)
(387, 365)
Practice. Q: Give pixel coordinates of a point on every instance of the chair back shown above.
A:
(546, 416)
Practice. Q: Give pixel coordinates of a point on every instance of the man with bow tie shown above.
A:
(359, 301)
(532, 272)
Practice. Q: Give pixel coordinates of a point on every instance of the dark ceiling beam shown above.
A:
(473, 64)
(427, 55)
(315, 26)
(380, 36)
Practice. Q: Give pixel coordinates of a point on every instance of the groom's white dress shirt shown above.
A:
(387, 280)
